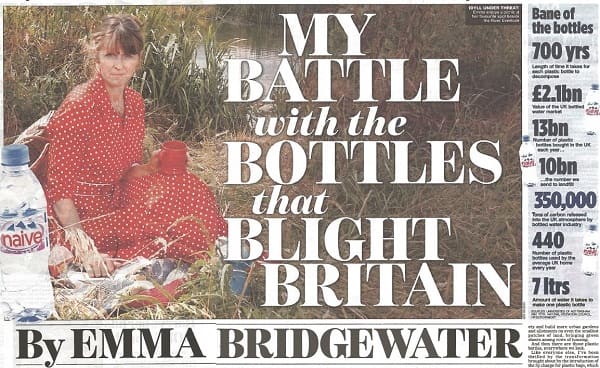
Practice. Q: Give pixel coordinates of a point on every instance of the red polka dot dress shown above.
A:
(92, 146)
(168, 216)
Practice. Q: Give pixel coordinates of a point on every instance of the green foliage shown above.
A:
(191, 96)
(44, 60)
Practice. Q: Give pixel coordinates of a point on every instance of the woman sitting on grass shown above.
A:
(168, 211)
(96, 140)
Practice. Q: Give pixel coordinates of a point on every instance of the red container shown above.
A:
(173, 158)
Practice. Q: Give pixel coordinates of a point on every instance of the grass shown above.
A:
(184, 101)
(204, 296)
(484, 221)
(190, 97)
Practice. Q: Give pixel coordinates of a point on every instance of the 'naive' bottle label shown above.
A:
(23, 235)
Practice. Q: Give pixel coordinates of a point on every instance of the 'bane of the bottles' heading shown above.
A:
(311, 271)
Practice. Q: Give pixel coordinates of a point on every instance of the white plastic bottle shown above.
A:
(26, 292)
(592, 110)
(589, 260)
(528, 162)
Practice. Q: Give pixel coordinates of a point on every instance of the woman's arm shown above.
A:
(68, 130)
(67, 214)
(96, 265)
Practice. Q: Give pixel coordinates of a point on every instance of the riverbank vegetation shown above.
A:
(43, 60)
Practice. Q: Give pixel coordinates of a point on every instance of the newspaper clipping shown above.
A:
(275, 184)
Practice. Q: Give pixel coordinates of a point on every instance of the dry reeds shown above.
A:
(485, 219)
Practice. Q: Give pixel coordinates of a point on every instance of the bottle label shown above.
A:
(592, 108)
(590, 251)
(592, 111)
(23, 234)
(527, 161)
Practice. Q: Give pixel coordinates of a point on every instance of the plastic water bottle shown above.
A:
(239, 268)
(592, 110)
(528, 162)
(26, 293)
(239, 275)
(589, 260)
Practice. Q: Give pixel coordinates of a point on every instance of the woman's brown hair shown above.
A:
(115, 33)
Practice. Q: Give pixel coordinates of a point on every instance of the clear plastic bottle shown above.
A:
(592, 110)
(239, 268)
(26, 293)
(589, 260)
(528, 162)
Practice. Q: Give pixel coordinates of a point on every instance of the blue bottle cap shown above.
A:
(595, 86)
(15, 155)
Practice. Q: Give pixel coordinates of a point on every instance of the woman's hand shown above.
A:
(99, 265)
(144, 169)
(86, 254)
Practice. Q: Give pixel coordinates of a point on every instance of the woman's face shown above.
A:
(116, 67)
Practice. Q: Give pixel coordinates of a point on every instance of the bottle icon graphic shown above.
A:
(589, 260)
(528, 162)
(592, 110)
